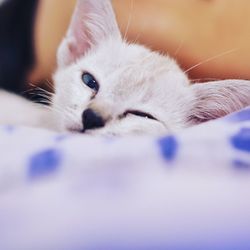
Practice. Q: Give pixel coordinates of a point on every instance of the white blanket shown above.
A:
(185, 191)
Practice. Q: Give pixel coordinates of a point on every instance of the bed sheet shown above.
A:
(189, 190)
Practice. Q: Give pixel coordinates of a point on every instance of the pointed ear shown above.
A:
(217, 99)
(93, 21)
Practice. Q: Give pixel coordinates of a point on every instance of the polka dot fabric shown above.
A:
(188, 190)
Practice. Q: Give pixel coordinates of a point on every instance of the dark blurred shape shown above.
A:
(16, 42)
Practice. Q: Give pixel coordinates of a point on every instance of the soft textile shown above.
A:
(190, 190)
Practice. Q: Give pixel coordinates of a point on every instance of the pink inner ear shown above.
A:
(92, 22)
(76, 43)
(79, 30)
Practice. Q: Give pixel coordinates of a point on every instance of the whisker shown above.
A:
(137, 37)
(49, 84)
(211, 59)
(39, 95)
(203, 80)
(130, 17)
(179, 47)
(36, 87)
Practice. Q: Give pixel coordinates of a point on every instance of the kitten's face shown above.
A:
(106, 86)
(131, 90)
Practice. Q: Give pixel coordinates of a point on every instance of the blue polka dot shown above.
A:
(241, 116)
(241, 165)
(61, 138)
(241, 141)
(44, 163)
(169, 147)
(8, 129)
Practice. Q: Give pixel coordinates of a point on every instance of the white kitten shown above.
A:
(104, 85)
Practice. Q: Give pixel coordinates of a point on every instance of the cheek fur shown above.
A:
(71, 98)
(130, 126)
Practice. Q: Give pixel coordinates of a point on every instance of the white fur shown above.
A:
(18, 111)
(131, 77)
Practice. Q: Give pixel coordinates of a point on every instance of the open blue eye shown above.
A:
(90, 81)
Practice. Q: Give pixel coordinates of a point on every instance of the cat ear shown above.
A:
(93, 21)
(217, 99)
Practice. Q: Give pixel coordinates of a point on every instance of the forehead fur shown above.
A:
(127, 59)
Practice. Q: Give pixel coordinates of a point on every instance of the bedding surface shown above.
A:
(190, 190)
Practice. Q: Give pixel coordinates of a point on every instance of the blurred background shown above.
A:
(209, 39)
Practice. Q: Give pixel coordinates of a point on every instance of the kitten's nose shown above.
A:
(91, 120)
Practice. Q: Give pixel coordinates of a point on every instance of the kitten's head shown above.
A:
(104, 85)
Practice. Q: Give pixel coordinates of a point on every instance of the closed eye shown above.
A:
(140, 113)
